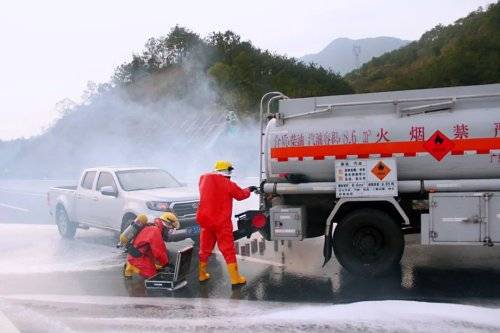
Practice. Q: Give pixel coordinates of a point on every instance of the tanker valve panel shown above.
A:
(287, 223)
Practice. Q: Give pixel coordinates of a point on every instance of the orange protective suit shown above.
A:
(214, 215)
(149, 242)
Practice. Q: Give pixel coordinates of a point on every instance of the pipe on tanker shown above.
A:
(302, 188)
(462, 185)
(404, 186)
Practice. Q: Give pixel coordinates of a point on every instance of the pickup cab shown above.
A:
(111, 198)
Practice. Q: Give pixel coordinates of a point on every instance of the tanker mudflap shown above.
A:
(328, 245)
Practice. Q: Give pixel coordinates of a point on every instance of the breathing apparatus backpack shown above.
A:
(128, 235)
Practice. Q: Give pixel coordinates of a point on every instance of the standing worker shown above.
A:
(217, 192)
(147, 252)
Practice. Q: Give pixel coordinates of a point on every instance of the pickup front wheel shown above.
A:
(66, 228)
(368, 242)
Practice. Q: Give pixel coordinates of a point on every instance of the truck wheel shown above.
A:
(67, 229)
(368, 242)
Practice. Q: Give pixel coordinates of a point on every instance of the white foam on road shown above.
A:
(99, 313)
(39, 249)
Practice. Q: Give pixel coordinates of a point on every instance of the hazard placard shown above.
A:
(381, 170)
(366, 177)
(438, 145)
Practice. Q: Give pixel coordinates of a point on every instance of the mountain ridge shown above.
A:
(339, 55)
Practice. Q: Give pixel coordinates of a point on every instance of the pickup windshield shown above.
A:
(135, 180)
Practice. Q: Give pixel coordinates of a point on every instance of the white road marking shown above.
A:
(7, 190)
(6, 325)
(14, 207)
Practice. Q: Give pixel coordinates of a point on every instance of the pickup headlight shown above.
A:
(158, 205)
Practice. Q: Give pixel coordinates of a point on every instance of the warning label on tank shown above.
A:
(366, 178)
(438, 145)
(381, 170)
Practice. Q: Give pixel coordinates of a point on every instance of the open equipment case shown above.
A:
(173, 278)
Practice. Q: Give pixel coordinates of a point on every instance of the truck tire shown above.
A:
(67, 229)
(368, 242)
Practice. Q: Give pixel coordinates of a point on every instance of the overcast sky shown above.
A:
(51, 49)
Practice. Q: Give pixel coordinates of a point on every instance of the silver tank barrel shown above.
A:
(311, 133)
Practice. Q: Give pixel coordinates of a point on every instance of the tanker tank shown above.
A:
(434, 134)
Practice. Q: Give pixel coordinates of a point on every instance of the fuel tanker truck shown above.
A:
(363, 170)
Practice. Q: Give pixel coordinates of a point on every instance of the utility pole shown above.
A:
(356, 50)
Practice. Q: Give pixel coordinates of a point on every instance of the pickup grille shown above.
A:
(182, 209)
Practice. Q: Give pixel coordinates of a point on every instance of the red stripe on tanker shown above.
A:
(461, 144)
(387, 149)
(350, 143)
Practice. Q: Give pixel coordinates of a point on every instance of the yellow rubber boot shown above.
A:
(234, 275)
(130, 270)
(202, 272)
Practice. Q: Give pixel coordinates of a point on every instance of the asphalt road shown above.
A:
(274, 269)
(41, 272)
(25, 201)
(284, 272)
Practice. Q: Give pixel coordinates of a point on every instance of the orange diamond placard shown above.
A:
(381, 170)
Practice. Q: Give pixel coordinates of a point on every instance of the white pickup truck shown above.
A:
(111, 198)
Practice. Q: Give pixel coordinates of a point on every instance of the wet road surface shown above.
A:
(76, 285)
(44, 275)
(40, 262)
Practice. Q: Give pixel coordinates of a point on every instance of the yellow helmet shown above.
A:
(142, 219)
(222, 165)
(170, 217)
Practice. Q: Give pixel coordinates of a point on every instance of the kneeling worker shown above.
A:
(217, 192)
(147, 252)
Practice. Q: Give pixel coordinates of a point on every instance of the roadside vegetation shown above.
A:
(239, 72)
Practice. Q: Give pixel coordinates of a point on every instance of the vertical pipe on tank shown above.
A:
(262, 126)
(261, 157)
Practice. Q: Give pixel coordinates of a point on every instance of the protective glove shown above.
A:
(253, 188)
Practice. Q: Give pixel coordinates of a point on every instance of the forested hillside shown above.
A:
(464, 53)
(239, 72)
